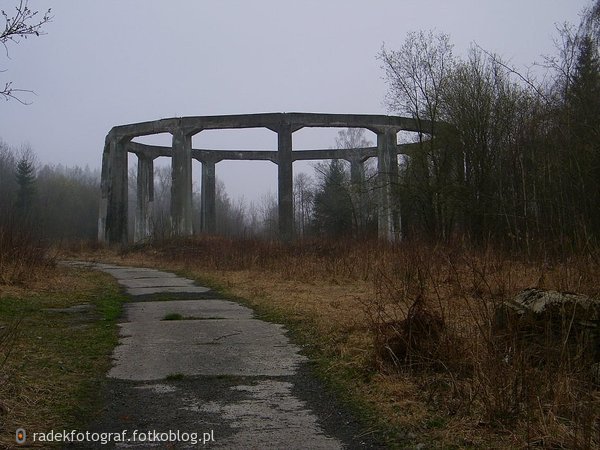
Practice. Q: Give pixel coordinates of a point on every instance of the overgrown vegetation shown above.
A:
(511, 158)
(56, 337)
(24, 255)
(503, 197)
(411, 330)
(519, 160)
(52, 358)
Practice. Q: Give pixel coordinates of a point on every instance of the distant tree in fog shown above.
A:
(332, 201)
(26, 183)
(60, 202)
(303, 202)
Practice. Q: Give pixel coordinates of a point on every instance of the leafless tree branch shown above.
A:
(24, 22)
(495, 59)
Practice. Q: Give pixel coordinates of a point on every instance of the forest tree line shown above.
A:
(520, 159)
(514, 159)
(59, 202)
(511, 159)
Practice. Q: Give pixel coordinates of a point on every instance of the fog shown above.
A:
(114, 62)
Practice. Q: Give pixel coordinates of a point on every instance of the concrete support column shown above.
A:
(104, 190)
(114, 173)
(208, 211)
(388, 227)
(357, 171)
(285, 189)
(181, 188)
(144, 212)
(357, 179)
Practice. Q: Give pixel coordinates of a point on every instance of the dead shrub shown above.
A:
(428, 324)
(412, 341)
(433, 319)
(24, 253)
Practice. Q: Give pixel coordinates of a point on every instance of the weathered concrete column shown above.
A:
(357, 179)
(208, 212)
(388, 227)
(114, 204)
(104, 190)
(144, 212)
(357, 171)
(285, 187)
(181, 187)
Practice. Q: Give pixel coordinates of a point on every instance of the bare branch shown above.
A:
(24, 23)
(495, 59)
(9, 93)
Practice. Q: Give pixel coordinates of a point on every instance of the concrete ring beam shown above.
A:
(113, 225)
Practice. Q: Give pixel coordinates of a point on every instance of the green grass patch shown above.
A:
(57, 360)
(175, 377)
(173, 316)
(177, 316)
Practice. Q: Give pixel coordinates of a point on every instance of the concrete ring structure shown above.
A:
(113, 218)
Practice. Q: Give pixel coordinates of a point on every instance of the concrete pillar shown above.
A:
(285, 189)
(181, 187)
(115, 177)
(104, 190)
(145, 198)
(208, 211)
(387, 180)
(357, 179)
(357, 171)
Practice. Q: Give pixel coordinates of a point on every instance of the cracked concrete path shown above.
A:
(214, 369)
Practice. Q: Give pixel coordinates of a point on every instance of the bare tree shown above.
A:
(303, 202)
(416, 75)
(267, 208)
(231, 214)
(354, 138)
(21, 24)
(563, 64)
(417, 72)
(487, 111)
(162, 201)
(591, 22)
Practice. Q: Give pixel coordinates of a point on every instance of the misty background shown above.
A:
(108, 63)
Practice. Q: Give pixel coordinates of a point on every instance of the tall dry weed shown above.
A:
(527, 380)
(24, 253)
(431, 317)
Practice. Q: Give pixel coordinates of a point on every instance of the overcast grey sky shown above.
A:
(106, 63)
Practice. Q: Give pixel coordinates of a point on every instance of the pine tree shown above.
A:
(583, 110)
(584, 94)
(332, 202)
(25, 175)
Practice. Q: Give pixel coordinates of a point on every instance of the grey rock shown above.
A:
(548, 319)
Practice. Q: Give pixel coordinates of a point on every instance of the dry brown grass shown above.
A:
(24, 254)
(439, 376)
